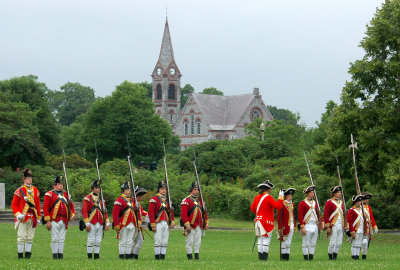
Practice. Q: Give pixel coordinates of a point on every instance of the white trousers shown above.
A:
(94, 238)
(57, 236)
(310, 239)
(137, 243)
(161, 237)
(263, 243)
(336, 238)
(364, 245)
(126, 239)
(25, 232)
(285, 247)
(361, 240)
(193, 240)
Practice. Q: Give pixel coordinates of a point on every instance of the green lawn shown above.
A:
(220, 250)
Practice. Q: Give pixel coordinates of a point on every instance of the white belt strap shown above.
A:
(259, 204)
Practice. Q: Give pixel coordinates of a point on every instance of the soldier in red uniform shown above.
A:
(26, 209)
(138, 237)
(263, 206)
(287, 221)
(334, 221)
(161, 220)
(56, 215)
(310, 221)
(192, 218)
(124, 219)
(92, 208)
(371, 222)
(358, 231)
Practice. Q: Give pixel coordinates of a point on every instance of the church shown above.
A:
(203, 117)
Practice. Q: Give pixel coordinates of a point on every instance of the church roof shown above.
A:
(222, 112)
(166, 53)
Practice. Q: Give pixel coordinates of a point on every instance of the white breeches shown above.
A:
(193, 240)
(263, 243)
(310, 239)
(25, 232)
(137, 242)
(161, 237)
(364, 245)
(126, 238)
(285, 247)
(95, 235)
(360, 241)
(336, 238)
(57, 236)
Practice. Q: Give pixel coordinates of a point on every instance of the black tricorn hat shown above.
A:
(27, 172)
(140, 191)
(309, 189)
(193, 186)
(125, 186)
(96, 184)
(366, 195)
(161, 184)
(265, 185)
(289, 191)
(58, 180)
(333, 190)
(357, 198)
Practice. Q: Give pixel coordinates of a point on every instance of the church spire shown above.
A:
(166, 53)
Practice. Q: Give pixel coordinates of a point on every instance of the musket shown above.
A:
(203, 207)
(171, 208)
(315, 194)
(102, 205)
(132, 185)
(67, 188)
(254, 244)
(281, 221)
(353, 146)
(343, 198)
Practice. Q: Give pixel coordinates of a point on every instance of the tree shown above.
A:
(285, 115)
(74, 100)
(185, 92)
(148, 87)
(212, 91)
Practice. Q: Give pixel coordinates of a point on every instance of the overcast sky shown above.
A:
(296, 52)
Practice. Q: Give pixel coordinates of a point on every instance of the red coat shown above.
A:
(373, 223)
(302, 211)
(287, 214)
(90, 212)
(55, 209)
(19, 205)
(156, 203)
(123, 214)
(265, 213)
(354, 214)
(330, 208)
(191, 212)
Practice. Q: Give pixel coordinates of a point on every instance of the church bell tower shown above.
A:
(167, 81)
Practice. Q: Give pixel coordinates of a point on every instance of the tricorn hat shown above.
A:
(140, 191)
(366, 195)
(27, 172)
(193, 186)
(357, 198)
(309, 189)
(161, 184)
(125, 186)
(333, 190)
(95, 184)
(58, 180)
(289, 191)
(265, 185)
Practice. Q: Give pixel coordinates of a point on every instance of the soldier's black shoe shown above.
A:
(287, 256)
(364, 257)
(310, 257)
(20, 255)
(334, 257)
(89, 255)
(135, 256)
(157, 256)
(55, 256)
(96, 256)
(121, 256)
(357, 257)
(28, 255)
(196, 256)
(330, 256)
(265, 255)
(260, 256)
(189, 256)
(128, 256)
(60, 256)
(353, 257)
(162, 256)
(305, 257)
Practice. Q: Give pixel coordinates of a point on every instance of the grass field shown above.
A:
(220, 250)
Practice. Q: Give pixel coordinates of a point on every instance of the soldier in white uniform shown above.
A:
(358, 227)
(286, 223)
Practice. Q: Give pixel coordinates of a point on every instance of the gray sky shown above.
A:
(296, 52)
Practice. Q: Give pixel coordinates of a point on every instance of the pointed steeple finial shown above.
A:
(166, 53)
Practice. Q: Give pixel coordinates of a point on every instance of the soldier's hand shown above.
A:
(48, 225)
(172, 226)
(206, 226)
(353, 236)
(303, 231)
(117, 230)
(107, 227)
(376, 230)
(188, 229)
(88, 228)
(154, 229)
(72, 218)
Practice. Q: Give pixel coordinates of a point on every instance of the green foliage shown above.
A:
(71, 138)
(185, 92)
(72, 161)
(284, 115)
(212, 91)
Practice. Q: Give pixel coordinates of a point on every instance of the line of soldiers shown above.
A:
(358, 224)
(58, 210)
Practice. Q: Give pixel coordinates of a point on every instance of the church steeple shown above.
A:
(166, 81)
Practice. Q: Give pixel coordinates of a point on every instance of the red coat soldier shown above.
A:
(26, 209)
(371, 223)
(359, 232)
(138, 237)
(286, 222)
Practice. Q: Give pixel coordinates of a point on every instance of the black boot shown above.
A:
(305, 257)
(265, 254)
(357, 257)
(28, 255)
(353, 257)
(260, 256)
(60, 256)
(364, 257)
(135, 256)
(128, 256)
(55, 256)
(330, 256)
(162, 256)
(287, 256)
(96, 256)
(121, 256)
(196, 256)
(157, 256)
(334, 256)
(20, 255)
(310, 257)
(89, 255)
(189, 256)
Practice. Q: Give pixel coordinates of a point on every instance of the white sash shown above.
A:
(359, 218)
(338, 209)
(310, 211)
(259, 204)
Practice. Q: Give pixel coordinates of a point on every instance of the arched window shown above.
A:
(192, 123)
(159, 91)
(198, 126)
(171, 92)
(185, 125)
